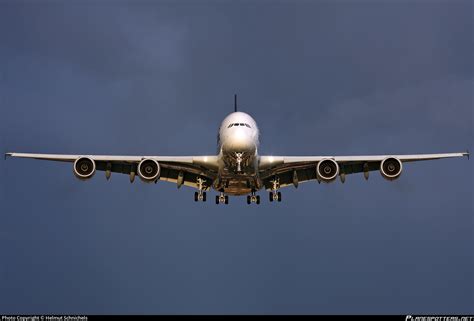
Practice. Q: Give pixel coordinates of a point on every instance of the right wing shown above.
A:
(292, 170)
(185, 169)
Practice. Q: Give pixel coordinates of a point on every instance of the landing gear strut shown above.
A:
(200, 195)
(275, 195)
(239, 158)
(252, 198)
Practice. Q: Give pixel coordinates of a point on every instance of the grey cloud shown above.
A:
(102, 38)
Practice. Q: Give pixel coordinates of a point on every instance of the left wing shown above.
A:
(182, 170)
(292, 170)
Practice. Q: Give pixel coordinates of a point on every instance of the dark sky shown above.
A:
(319, 77)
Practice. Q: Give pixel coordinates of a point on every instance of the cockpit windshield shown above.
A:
(239, 124)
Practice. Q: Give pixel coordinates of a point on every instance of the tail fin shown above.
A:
(235, 103)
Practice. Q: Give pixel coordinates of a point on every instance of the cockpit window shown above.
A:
(239, 124)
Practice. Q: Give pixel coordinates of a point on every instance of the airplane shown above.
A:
(237, 169)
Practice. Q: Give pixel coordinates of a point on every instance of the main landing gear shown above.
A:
(200, 195)
(275, 195)
(253, 198)
(222, 199)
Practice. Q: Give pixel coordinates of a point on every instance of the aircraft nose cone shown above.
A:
(240, 142)
(240, 145)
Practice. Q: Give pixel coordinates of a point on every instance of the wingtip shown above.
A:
(467, 153)
(6, 155)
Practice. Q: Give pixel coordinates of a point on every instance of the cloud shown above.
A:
(105, 39)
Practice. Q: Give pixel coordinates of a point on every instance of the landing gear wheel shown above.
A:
(279, 196)
(248, 199)
(258, 199)
(196, 196)
(217, 199)
(226, 199)
(270, 196)
(204, 196)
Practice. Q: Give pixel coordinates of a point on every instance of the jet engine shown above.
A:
(391, 168)
(327, 170)
(84, 168)
(149, 170)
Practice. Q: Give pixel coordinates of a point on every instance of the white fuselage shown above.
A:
(238, 142)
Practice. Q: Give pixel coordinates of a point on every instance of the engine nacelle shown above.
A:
(391, 168)
(327, 170)
(84, 168)
(149, 170)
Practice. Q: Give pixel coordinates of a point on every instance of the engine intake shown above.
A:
(149, 170)
(391, 168)
(327, 170)
(84, 168)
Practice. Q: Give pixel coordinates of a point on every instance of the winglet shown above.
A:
(467, 153)
(7, 154)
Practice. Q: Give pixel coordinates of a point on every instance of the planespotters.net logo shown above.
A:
(438, 318)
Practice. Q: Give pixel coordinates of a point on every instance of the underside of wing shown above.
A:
(292, 170)
(182, 170)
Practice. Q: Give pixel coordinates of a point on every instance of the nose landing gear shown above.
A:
(238, 159)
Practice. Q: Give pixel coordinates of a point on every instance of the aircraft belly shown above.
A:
(238, 187)
(237, 190)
